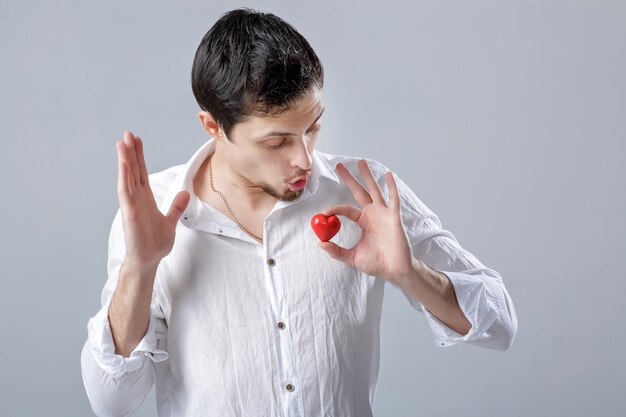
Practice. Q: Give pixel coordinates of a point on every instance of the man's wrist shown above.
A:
(140, 268)
(426, 285)
(409, 279)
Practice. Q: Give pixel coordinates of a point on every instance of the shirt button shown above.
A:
(290, 387)
(271, 262)
(281, 325)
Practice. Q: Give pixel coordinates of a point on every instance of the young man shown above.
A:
(218, 289)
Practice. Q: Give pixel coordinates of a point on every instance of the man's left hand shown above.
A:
(383, 249)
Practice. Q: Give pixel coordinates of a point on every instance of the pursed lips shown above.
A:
(300, 178)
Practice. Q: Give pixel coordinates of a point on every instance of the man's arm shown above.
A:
(123, 335)
(129, 312)
(403, 242)
(148, 237)
(487, 316)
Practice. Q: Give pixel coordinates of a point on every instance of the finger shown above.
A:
(126, 184)
(129, 140)
(122, 184)
(178, 206)
(337, 252)
(360, 194)
(347, 210)
(372, 186)
(141, 162)
(394, 195)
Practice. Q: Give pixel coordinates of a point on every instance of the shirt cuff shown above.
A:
(99, 333)
(471, 294)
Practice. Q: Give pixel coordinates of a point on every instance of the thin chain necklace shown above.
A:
(245, 229)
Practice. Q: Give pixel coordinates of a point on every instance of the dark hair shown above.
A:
(252, 63)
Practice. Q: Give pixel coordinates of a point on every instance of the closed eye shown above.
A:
(284, 142)
(277, 146)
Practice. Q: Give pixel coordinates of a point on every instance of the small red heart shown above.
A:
(325, 227)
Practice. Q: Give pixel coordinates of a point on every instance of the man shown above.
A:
(219, 291)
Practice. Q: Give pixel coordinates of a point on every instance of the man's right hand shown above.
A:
(148, 234)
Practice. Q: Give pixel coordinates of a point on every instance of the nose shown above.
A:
(301, 157)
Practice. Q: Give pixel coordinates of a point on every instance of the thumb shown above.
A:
(337, 252)
(179, 204)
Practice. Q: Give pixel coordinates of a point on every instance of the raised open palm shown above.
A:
(148, 234)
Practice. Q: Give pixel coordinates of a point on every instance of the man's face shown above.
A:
(269, 153)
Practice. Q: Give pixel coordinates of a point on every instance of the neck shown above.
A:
(238, 191)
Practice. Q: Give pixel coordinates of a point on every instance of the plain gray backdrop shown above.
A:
(507, 118)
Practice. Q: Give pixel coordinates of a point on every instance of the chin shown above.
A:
(291, 195)
(286, 196)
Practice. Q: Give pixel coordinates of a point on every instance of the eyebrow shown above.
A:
(277, 133)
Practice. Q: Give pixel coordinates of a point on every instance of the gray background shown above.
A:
(506, 118)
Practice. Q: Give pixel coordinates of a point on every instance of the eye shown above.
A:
(313, 129)
(277, 146)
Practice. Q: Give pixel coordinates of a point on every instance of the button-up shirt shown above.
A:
(240, 327)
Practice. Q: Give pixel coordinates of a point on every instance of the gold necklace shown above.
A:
(245, 229)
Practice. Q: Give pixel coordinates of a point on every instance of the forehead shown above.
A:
(300, 116)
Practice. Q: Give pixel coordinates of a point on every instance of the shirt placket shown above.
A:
(288, 380)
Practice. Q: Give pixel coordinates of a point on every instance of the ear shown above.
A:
(209, 124)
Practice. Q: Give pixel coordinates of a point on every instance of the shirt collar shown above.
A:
(184, 179)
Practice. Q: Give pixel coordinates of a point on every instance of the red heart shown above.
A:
(325, 227)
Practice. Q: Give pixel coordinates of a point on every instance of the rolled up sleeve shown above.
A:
(103, 348)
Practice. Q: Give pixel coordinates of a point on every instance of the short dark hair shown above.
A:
(252, 63)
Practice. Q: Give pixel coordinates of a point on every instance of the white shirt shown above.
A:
(279, 328)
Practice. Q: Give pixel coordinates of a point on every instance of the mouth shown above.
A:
(298, 184)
